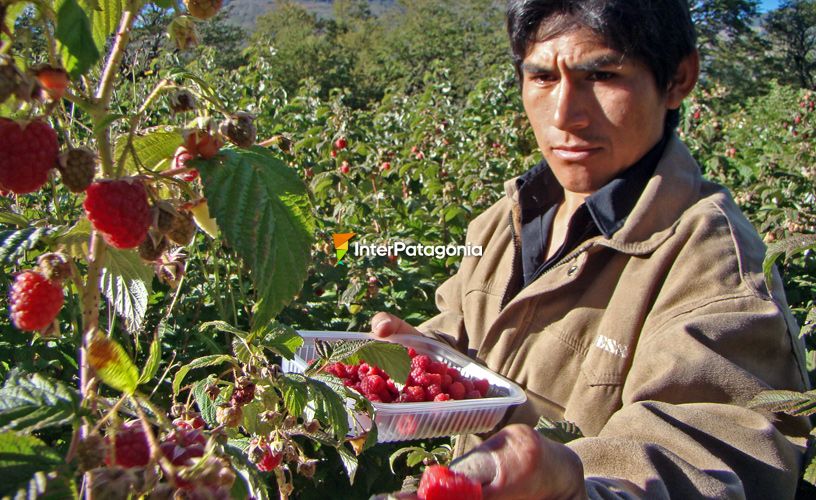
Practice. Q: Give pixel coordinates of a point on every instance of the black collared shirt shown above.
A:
(603, 212)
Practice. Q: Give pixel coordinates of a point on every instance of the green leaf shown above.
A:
(252, 484)
(278, 338)
(75, 42)
(212, 360)
(21, 457)
(150, 148)
(112, 364)
(809, 326)
(263, 209)
(75, 239)
(221, 326)
(32, 401)
(402, 451)
(561, 431)
(126, 283)
(13, 219)
(790, 402)
(788, 247)
(205, 405)
(415, 458)
(14, 243)
(104, 17)
(47, 486)
(810, 457)
(295, 393)
(350, 462)
(329, 407)
(152, 364)
(390, 357)
(106, 122)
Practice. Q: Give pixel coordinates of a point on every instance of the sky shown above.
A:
(766, 5)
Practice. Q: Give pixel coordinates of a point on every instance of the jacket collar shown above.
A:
(673, 188)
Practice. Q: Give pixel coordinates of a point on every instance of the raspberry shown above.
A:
(27, 155)
(421, 361)
(440, 483)
(447, 380)
(203, 9)
(132, 448)
(53, 80)
(201, 143)
(240, 129)
(415, 393)
(437, 367)
(77, 167)
(266, 456)
(229, 416)
(433, 391)
(482, 385)
(119, 210)
(474, 394)
(454, 373)
(34, 301)
(54, 266)
(412, 352)
(182, 100)
(182, 228)
(182, 445)
(374, 398)
(373, 384)
(457, 390)
(442, 397)
(244, 393)
(341, 143)
(180, 159)
(428, 379)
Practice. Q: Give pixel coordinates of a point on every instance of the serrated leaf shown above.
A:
(202, 362)
(390, 357)
(15, 242)
(350, 462)
(809, 326)
(75, 42)
(561, 431)
(349, 295)
(21, 457)
(205, 405)
(104, 18)
(47, 486)
(790, 402)
(329, 407)
(150, 148)
(221, 326)
(152, 364)
(112, 364)
(32, 401)
(126, 283)
(278, 338)
(788, 247)
(75, 239)
(810, 470)
(322, 181)
(263, 210)
(295, 393)
(402, 451)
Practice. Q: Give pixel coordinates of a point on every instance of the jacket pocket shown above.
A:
(606, 361)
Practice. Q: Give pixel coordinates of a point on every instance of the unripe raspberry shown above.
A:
(307, 468)
(119, 210)
(281, 141)
(240, 129)
(243, 394)
(182, 228)
(77, 167)
(112, 483)
(203, 9)
(229, 416)
(180, 159)
(53, 80)
(91, 452)
(34, 301)
(202, 143)
(27, 155)
(182, 100)
(54, 266)
(183, 32)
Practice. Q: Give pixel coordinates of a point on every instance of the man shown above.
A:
(620, 289)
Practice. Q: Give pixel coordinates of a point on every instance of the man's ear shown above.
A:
(684, 80)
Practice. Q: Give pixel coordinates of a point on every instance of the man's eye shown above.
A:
(543, 78)
(601, 76)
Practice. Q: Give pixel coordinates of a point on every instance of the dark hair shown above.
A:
(658, 33)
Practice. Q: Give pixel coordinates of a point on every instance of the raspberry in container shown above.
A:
(402, 421)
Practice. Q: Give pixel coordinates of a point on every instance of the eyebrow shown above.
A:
(594, 64)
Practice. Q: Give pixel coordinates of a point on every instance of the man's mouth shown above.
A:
(574, 153)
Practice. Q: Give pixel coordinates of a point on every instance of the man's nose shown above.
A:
(570, 106)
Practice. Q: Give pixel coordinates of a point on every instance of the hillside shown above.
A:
(245, 12)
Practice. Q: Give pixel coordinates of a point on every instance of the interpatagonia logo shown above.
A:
(341, 244)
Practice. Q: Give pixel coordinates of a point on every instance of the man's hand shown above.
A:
(518, 463)
(385, 325)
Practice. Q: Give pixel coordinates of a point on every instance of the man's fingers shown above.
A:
(479, 465)
(385, 325)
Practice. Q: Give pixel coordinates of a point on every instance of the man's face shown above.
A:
(593, 112)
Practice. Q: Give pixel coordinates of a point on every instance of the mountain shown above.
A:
(245, 12)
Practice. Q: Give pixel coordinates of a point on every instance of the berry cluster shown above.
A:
(428, 381)
(440, 483)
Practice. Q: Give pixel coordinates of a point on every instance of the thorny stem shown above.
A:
(135, 119)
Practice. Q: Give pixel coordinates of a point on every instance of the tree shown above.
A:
(792, 27)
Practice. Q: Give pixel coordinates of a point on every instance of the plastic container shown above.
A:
(405, 421)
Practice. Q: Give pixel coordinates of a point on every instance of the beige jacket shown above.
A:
(651, 342)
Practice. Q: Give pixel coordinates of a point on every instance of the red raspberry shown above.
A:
(474, 394)
(442, 397)
(34, 301)
(437, 367)
(269, 461)
(415, 393)
(374, 398)
(412, 352)
(440, 483)
(431, 379)
(433, 391)
(453, 372)
(468, 385)
(353, 371)
(447, 380)
(421, 361)
(373, 384)
(27, 154)
(385, 396)
(392, 388)
(119, 210)
(341, 143)
(457, 390)
(363, 370)
(482, 385)
(202, 143)
(132, 448)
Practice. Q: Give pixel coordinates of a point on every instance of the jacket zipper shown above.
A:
(516, 250)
